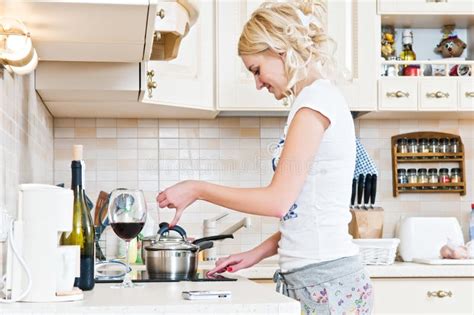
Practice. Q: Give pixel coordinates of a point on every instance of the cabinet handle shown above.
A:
(439, 294)
(469, 94)
(161, 14)
(150, 83)
(438, 94)
(398, 94)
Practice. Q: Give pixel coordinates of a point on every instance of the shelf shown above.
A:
(429, 157)
(422, 191)
(431, 185)
(445, 61)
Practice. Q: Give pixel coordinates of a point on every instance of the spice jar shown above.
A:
(422, 177)
(402, 145)
(412, 177)
(412, 146)
(402, 177)
(456, 177)
(433, 145)
(454, 145)
(433, 177)
(444, 177)
(423, 145)
(443, 145)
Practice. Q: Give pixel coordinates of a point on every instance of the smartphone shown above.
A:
(206, 295)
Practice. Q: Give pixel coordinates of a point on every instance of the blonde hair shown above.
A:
(299, 30)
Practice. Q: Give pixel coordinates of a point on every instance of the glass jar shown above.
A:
(443, 145)
(412, 146)
(433, 177)
(422, 177)
(402, 145)
(444, 177)
(454, 145)
(402, 176)
(412, 177)
(433, 146)
(423, 145)
(456, 177)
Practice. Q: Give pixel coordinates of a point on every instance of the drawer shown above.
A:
(410, 296)
(398, 94)
(466, 94)
(438, 94)
(425, 6)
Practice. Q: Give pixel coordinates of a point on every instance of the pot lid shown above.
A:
(172, 245)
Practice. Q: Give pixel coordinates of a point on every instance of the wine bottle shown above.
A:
(82, 233)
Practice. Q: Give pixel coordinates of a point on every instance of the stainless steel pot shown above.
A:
(171, 258)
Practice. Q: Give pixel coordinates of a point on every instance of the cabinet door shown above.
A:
(355, 26)
(188, 80)
(235, 85)
(466, 94)
(410, 296)
(425, 6)
(438, 94)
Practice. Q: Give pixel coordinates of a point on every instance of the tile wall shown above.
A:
(236, 151)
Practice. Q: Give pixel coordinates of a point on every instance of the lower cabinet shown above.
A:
(418, 295)
(423, 295)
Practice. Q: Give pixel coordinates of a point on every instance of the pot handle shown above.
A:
(164, 228)
(212, 238)
(205, 245)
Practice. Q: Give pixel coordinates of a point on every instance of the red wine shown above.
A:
(127, 230)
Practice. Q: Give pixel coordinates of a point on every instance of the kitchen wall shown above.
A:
(236, 151)
(26, 138)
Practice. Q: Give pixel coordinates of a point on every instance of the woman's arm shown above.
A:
(301, 144)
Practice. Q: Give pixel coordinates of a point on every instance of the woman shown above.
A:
(286, 48)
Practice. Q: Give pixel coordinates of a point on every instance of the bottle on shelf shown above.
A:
(82, 233)
(407, 41)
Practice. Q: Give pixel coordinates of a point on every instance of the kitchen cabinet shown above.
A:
(188, 80)
(423, 296)
(425, 6)
(352, 24)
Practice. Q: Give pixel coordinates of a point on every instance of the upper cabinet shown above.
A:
(428, 80)
(352, 24)
(104, 30)
(188, 80)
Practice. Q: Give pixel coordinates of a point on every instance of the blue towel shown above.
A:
(364, 163)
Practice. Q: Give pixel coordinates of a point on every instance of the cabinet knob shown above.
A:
(398, 94)
(150, 83)
(437, 94)
(439, 294)
(469, 94)
(161, 14)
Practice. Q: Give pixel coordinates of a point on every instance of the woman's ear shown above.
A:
(282, 55)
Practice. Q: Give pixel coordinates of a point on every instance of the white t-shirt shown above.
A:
(315, 229)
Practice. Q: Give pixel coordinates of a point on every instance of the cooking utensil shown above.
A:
(373, 191)
(360, 190)
(353, 194)
(367, 191)
(172, 258)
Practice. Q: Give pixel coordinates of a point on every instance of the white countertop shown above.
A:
(265, 270)
(164, 298)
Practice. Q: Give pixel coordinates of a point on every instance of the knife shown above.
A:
(374, 191)
(353, 195)
(367, 190)
(360, 190)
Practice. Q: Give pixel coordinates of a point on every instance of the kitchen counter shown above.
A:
(265, 270)
(162, 298)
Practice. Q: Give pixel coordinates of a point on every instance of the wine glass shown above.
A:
(127, 216)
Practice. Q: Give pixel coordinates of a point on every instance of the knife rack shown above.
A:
(428, 158)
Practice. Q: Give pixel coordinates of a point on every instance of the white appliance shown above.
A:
(421, 239)
(44, 212)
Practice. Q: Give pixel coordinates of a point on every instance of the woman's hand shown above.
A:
(235, 262)
(179, 197)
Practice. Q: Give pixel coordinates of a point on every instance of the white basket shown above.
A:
(377, 251)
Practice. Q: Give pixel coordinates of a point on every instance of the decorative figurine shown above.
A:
(450, 46)
(388, 42)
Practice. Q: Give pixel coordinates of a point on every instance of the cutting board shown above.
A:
(439, 261)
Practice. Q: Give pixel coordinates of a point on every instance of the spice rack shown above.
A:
(399, 156)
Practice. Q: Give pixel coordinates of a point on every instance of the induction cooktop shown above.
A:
(142, 276)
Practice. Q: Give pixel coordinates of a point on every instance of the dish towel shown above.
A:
(364, 163)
